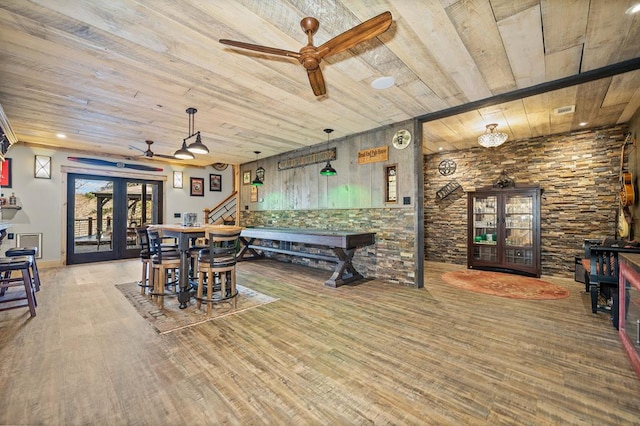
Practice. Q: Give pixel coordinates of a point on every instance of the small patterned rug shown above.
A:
(505, 285)
(172, 318)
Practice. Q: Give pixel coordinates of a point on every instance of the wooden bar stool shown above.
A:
(31, 253)
(23, 265)
(145, 258)
(163, 261)
(218, 262)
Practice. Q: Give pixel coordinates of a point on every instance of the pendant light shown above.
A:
(197, 147)
(328, 169)
(491, 138)
(256, 180)
(186, 152)
(183, 153)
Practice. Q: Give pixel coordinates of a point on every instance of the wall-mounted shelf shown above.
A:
(8, 212)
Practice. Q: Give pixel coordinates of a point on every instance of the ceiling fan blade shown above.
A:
(136, 148)
(263, 49)
(363, 32)
(165, 156)
(317, 82)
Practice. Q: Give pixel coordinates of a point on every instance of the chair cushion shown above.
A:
(21, 251)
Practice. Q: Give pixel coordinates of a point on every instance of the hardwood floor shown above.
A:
(373, 353)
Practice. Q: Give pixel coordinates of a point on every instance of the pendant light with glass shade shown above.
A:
(491, 138)
(256, 180)
(328, 169)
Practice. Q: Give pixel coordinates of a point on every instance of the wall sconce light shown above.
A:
(177, 179)
(42, 167)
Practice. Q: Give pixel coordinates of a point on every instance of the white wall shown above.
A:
(44, 205)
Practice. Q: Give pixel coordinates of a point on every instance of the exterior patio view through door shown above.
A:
(103, 213)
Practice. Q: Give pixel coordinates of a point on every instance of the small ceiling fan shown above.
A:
(310, 56)
(150, 154)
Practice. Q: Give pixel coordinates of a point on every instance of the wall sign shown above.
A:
(305, 160)
(373, 155)
(447, 190)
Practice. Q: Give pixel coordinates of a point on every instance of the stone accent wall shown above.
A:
(390, 259)
(579, 175)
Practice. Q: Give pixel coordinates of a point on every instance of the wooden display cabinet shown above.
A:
(504, 230)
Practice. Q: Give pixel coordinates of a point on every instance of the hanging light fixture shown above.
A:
(491, 138)
(183, 153)
(328, 169)
(186, 152)
(256, 181)
(197, 147)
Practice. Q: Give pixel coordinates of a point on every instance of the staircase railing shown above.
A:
(224, 213)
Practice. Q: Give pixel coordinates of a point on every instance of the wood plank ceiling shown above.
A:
(112, 74)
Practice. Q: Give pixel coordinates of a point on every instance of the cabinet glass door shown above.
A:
(518, 224)
(485, 223)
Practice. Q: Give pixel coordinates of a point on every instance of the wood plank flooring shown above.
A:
(372, 353)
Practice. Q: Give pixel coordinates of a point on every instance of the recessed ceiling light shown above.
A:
(633, 9)
(584, 123)
(61, 135)
(440, 148)
(383, 83)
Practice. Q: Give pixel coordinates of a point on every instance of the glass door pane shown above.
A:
(142, 208)
(103, 213)
(485, 223)
(92, 216)
(519, 230)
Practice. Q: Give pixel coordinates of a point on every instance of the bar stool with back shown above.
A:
(218, 262)
(163, 261)
(145, 258)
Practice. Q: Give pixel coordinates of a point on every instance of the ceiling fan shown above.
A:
(310, 56)
(150, 154)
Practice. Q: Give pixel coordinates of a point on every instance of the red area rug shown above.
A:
(505, 285)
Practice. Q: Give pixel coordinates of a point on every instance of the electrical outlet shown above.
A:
(10, 235)
(406, 200)
(176, 215)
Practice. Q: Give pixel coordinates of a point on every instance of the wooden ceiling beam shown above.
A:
(561, 83)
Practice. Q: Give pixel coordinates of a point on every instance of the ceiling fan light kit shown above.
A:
(491, 138)
(310, 56)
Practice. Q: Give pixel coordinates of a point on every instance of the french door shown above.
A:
(103, 212)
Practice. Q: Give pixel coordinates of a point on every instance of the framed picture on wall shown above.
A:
(197, 187)
(246, 177)
(254, 194)
(5, 176)
(215, 182)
